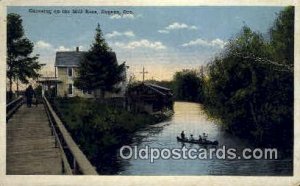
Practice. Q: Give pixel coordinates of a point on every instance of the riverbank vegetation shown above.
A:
(99, 128)
(249, 86)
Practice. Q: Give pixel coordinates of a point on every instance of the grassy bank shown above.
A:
(99, 129)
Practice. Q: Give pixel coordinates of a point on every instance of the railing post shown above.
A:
(55, 142)
(74, 166)
(63, 170)
(52, 132)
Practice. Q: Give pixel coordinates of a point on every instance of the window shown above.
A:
(70, 72)
(70, 89)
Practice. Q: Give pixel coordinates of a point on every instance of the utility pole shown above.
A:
(144, 72)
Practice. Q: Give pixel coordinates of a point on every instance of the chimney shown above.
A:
(77, 49)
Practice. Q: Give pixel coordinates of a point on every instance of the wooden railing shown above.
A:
(13, 106)
(73, 159)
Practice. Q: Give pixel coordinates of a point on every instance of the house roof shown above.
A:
(159, 89)
(48, 80)
(156, 88)
(68, 58)
(72, 58)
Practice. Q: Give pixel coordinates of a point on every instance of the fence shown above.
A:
(13, 106)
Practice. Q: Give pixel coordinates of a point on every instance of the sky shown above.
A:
(162, 39)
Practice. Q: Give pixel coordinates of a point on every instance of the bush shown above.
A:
(99, 129)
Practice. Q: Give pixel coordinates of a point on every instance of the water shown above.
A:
(191, 118)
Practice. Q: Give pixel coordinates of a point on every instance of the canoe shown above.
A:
(207, 142)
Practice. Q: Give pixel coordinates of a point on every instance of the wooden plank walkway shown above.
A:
(30, 145)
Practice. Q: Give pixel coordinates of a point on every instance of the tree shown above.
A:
(282, 43)
(236, 87)
(99, 68)
(282, 36)
(250, 85)
(187, 86)
(21, 65)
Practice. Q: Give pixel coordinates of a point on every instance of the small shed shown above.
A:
(149, 98)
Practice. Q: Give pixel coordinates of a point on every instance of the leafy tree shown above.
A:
(235, 83)
(21, 65)
(187, 86)
(250, 85)
(282, 43)
(99, 69)
(282, 37)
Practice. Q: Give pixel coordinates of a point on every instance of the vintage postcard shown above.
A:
(203, 94)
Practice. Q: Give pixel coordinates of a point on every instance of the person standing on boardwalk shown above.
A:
(29, 93)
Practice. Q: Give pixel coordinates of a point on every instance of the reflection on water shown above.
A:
(190, 118)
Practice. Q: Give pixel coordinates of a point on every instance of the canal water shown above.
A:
(191, 118)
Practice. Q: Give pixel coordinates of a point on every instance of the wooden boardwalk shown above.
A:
(30, 145)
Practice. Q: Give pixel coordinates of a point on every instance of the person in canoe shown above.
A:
(182, 135)
(200, 139)
(204, 136)
(191, 137)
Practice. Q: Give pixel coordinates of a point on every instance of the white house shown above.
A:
(66, 69)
